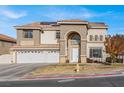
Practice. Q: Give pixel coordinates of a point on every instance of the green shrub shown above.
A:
(117, 60)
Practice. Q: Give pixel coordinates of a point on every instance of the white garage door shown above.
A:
(38, 57)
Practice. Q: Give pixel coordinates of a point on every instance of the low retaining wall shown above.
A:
(5, 59)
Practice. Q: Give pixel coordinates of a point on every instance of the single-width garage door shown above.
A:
(38, 57)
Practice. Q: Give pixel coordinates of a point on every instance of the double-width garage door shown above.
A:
(38, 57)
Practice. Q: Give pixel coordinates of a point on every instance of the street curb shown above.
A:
(73, 76)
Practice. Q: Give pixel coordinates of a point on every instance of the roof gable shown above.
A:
(7, 38)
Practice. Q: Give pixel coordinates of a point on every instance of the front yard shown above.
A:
(83, 69)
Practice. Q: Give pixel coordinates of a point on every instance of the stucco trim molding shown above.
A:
(95, 42)
(83, 55)
(85, 40)
(27, 27)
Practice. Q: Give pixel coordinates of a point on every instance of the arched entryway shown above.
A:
(73, 47)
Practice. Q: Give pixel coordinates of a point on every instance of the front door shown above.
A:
(74, 54)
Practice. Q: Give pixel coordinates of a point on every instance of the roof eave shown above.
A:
(72, 22)
(27, 27)
(99, 27)
(12, 41)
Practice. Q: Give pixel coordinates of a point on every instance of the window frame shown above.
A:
(101, 37)
(91, 37)
(98, 51)
(28, 34)
(96, 38)
(57, 34)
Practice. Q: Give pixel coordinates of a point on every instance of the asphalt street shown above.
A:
(87, 82)
(15, 71)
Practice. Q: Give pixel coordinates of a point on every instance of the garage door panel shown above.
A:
(28, 57)
(52, 57)
(42, 57)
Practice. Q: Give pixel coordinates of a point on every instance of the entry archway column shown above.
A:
(83, 57)
(62, 51)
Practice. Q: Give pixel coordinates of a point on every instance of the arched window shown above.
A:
(75, 39)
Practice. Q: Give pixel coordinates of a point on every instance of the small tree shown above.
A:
(114, 45)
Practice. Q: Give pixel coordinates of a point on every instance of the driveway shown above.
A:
(15, 71)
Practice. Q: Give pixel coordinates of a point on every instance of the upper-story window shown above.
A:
(28, 34)
(101, 38)
(57, 35)
(96, 37)
(91, 38)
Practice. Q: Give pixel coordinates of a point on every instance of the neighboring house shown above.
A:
(60, 42)
(6, 43)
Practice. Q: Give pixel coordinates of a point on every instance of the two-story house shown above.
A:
(6, 43)
(65, 41)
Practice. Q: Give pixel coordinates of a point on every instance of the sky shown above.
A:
(11, 16)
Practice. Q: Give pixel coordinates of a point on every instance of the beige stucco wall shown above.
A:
(36, 37)
(96, 43)
(97, 32)
(19, 34)
(65, 30)
(28, 41)
(48, 37)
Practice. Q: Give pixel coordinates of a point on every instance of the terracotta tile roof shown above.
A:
(38, 24)
(72, 20)
(41, 24)
(7, 38)
(97, 24)
(33, 24)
